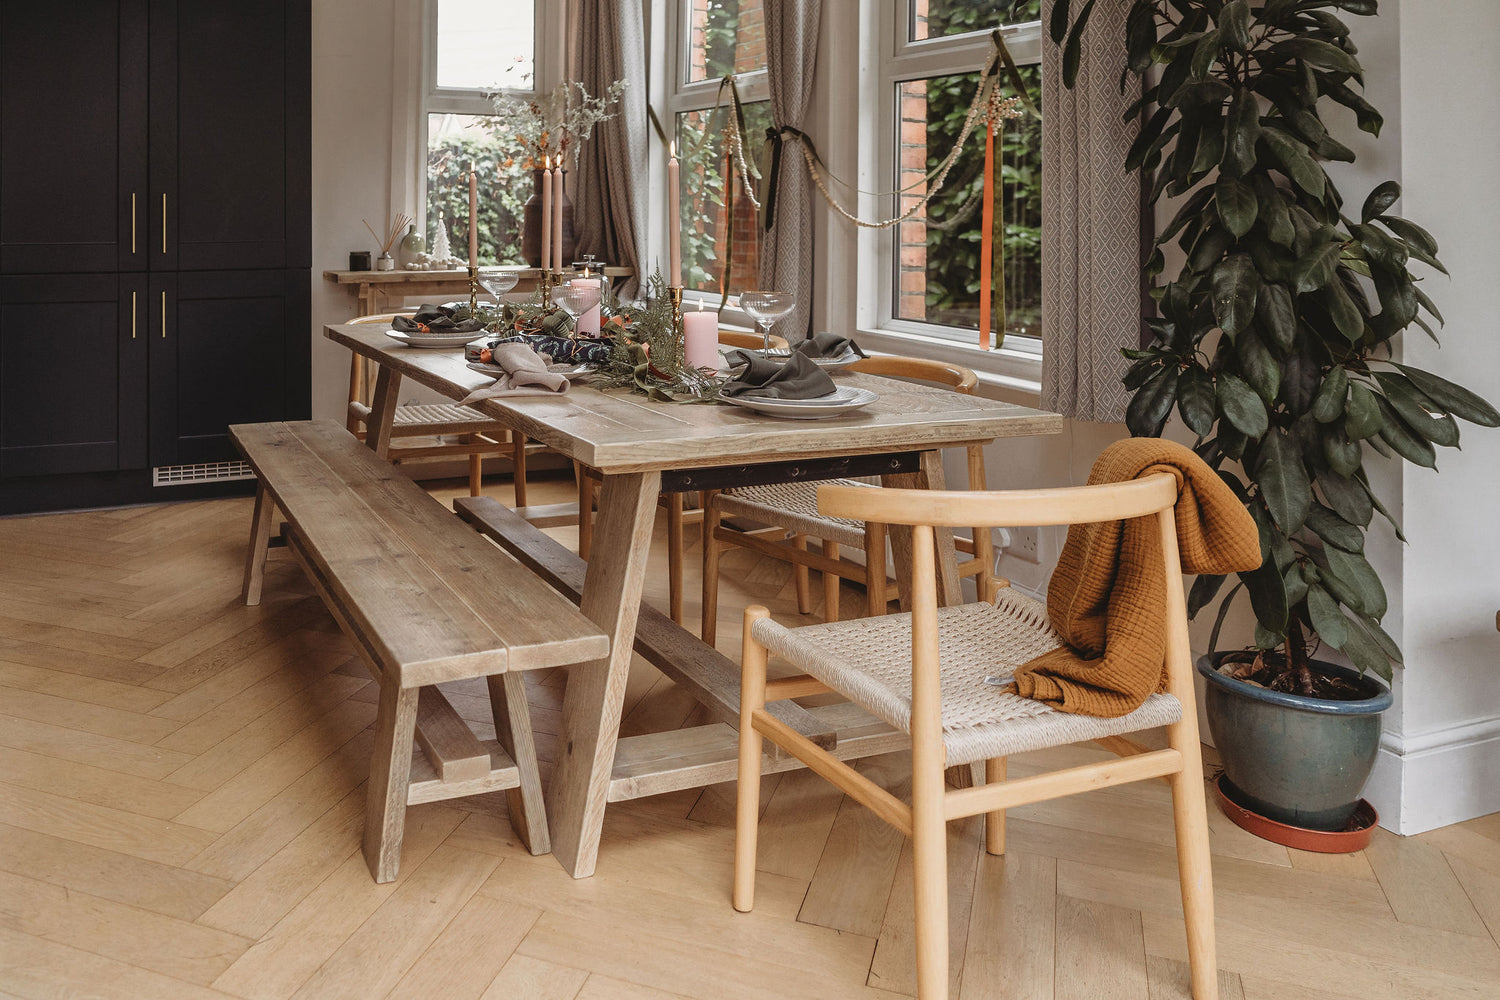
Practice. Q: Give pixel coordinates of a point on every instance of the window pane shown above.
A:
(937, 256)
(940, 18)
(486, 44)
(726, 36)
(453, 142)
(705, 218)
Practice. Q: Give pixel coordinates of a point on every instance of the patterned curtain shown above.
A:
(609, 198)
(787, 252)
(1091, 266)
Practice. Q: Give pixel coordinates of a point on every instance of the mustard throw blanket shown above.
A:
(1108, 596)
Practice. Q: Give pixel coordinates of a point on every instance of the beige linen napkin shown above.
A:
(526, 374)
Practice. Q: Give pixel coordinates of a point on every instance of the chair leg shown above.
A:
(390, 773)
(708, 625)
(994, 822)
(747, 799)
(800, 578)
(518, 465)
(476, 468)
(512, 713)
(1194, 868)
(674, 555)
(831, 585)
(875, 585)
(930, 877)
(260, 538)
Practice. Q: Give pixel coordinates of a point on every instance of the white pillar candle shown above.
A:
(700, 332)
(588, 322)
(546, 212)
(557, 220)
(674, 220)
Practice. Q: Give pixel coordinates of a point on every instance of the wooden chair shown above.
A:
(890, 666)
(791, 508)
(477, 435)
(679, 513)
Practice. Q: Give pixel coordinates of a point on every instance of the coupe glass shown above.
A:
(498, 280)
(766, 308)
(576, 298)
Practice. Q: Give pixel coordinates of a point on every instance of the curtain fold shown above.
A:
(787, 253)
(609, 195)
(1091, 264)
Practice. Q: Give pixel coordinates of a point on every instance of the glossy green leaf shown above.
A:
(1342, 310)
(1315, 269)
(1420, 413)
(1058, 28)
(1365, 654)
(1347, 497)
(1205, 588)
(1328, 404)
(1277, 315)
(1267, 593)
(1403, 440)
(1381, 249)
(1236, 204)
(1295, 161)
(1327, 620)
(1380, 199)
(1258, 366)
(1195, 401)
(1410, 232)
(1362, 417)
(1354, 571)
(1235, 285)
(1322, 55)
(1152, 404)
(1242, 407)
(1234, 25)
(1273, 211)
(1454, 398)
(1073, 48)
(1283, 480)
(1334, 529)
(1343, 455)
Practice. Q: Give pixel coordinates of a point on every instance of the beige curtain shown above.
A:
(609, 198)
(787, 251)
(1091, 267)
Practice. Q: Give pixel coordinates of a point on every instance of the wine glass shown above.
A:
(575, 298)
(498, 280)
(766, 308)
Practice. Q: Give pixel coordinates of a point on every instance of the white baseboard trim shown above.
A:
(1434, 779)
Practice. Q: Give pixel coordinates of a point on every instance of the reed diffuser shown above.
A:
(385, 262)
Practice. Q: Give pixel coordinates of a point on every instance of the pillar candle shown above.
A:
(674, 221)
(700, 333)
(546, 213)
(557, 220)
(588, 322)
(473, 217)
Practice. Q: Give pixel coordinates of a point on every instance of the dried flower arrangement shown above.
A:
(553, 124)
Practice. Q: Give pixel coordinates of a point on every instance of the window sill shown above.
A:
(1011, 375)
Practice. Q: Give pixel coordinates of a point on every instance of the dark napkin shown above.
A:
(564, 350)
(798, 378)
(434, 319)
(828, 345)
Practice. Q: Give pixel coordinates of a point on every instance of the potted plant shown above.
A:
(1274, 345)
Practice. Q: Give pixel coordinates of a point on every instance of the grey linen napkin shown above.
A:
(434, 319)
(828, 345)
(526, 374)
(798, 378)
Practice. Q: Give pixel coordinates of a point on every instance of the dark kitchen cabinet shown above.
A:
(155, 233)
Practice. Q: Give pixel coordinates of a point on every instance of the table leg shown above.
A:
(383, 411)
(596, 691)
(929, 476)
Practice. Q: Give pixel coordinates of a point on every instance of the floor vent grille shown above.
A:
(206, 472)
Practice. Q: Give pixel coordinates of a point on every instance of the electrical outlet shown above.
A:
(1025, 543)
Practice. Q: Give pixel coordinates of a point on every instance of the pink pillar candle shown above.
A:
(546, 213)
(557, 220)
(674, 221)
(700, 332)
(473, 217)
(588, 322)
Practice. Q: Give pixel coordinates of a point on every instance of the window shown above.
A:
(474, 48)
(716, 38)
(930, 263)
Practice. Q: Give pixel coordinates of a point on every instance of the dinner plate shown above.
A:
(829, 364)
(431, 340)
(845, 399)
(571, 371)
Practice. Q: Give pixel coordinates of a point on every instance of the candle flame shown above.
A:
(672, 150)
(546, 163)
(700, 305)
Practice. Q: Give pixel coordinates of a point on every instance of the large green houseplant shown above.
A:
(1274, 338)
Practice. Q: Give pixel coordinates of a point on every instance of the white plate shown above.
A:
(495, 371)
(828, 364)
(845, 399)
(431, 340)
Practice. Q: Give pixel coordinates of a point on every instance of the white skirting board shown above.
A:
(1429, 780)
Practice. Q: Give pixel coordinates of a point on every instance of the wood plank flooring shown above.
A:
(181, 800)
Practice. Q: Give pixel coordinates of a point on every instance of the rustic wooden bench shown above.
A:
(425, 601)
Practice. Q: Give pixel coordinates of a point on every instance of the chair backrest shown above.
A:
(382, 318)
(739, 338)
(950, 508)
(956, 377)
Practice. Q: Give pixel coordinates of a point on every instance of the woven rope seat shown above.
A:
(868, 660)
(793, 506)
(444, 418)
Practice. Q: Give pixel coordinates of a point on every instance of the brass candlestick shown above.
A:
(675, 293)
(473, 291)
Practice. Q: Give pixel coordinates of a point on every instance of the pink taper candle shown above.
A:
(674, 220)
(546, 212)
(473, 217)
(557, 202)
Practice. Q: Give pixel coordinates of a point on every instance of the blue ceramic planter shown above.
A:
(1297, 760)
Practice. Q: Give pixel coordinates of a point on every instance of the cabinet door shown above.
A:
(230, 134)
(72, 374)
(73, 137)
(227, 347)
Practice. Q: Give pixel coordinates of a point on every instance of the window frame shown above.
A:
(902, 60)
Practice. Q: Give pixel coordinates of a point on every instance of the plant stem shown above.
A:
(1296, 657)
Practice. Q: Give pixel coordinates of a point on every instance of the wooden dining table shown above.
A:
(642, 447)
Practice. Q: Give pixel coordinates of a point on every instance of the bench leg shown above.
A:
(260, 540)
(383, 411)
(674, 555)
(528, 809)
(390, 773)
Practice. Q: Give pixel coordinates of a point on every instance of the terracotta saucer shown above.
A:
(1354, 837)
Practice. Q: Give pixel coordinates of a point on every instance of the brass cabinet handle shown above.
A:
(132, 223)
(163, 315)
(164, 222)
(132, 314)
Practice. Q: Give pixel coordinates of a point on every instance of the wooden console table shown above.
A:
(373, 289)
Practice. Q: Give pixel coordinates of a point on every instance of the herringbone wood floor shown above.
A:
(181, 788)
